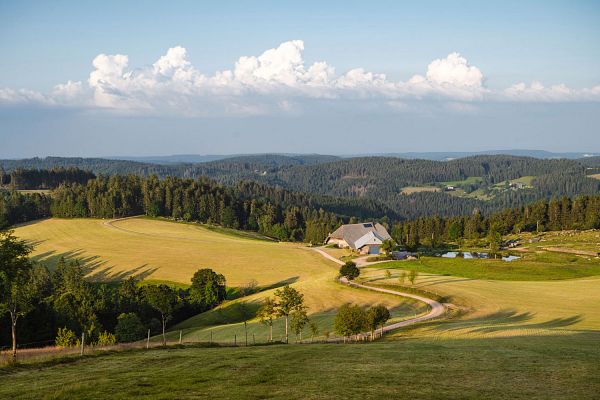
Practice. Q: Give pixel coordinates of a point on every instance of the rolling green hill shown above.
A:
(375, 179)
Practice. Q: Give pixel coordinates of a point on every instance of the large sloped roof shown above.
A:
(368, 239)
(352, 233)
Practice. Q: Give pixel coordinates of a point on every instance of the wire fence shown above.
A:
(33, 352)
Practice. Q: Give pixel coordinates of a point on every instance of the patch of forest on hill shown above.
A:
(375, 180)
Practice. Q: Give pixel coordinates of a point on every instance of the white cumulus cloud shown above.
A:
(277, 80)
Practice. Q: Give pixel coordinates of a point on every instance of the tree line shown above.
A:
(274, 213)
(582, 212)
(16, 207)
(373, 183)
(39, 307)
(43, 178)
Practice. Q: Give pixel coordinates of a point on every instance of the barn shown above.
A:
(366, 238)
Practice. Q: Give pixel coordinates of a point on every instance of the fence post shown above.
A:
(246, 332)
(235, 339)
(82, 342)
(253, 339)
(180, 336)
(211, 337)
(148, 340)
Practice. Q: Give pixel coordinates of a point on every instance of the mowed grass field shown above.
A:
(524, 329)
(552, 367)
(160, 250)
(167, 251)
(502, 308)
(532, 266)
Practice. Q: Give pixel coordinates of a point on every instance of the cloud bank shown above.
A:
(274, 82)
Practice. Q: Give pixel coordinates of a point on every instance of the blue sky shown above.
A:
(197, 100)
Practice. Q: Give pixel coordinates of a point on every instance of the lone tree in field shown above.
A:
(290, 300)
(412, 276)
(349, 271)
(16, 284)
(164, 300)
(208, 288)
(299, 321)
(375, 317)
(388, 246)
(267, 314)
(350, 320)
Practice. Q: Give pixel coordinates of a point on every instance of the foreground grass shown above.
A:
(515, 368)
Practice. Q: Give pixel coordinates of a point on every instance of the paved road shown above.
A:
(437, 308)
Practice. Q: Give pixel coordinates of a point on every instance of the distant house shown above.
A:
(450, 188)
(366, 238)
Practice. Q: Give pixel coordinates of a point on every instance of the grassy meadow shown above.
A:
(532, 266)
(527, 329)
(500, 308)
(418, 189)
(165, 251)
(552, 367)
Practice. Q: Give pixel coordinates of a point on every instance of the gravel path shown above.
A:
(437, 308)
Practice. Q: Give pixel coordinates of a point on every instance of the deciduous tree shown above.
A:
(208, 288)
(349, 270)
(16, 286)
(350, 320)
(164, 300)
(289, 300)
(267, 314)
(375, 317)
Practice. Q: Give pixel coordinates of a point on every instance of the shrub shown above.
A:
(106, 339)
(349, 270)
(129, 328)
(65, 338)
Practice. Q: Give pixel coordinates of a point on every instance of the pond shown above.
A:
(474, 255)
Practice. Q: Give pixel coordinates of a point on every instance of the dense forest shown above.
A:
(43, 178)
(17, 208)
(372, 180)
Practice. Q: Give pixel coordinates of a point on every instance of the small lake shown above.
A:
(474, 255)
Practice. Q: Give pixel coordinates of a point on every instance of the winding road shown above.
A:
(437, 308)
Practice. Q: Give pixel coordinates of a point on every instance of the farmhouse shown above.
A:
(366, 237)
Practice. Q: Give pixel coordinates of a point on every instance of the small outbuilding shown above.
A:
(366, 237)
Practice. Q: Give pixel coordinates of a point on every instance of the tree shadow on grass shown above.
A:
(502, 321)
(94, 268)
(228, 313)
(550, 324)
(238, 292)
(502, 317)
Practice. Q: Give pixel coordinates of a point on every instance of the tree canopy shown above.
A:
(349, 270)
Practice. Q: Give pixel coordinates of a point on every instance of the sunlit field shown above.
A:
(159, 250)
